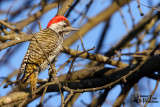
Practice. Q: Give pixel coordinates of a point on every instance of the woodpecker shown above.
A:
(51, 39)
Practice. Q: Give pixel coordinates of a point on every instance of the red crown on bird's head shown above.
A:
(56, 19)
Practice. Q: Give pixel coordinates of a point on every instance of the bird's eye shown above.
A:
(64, 25)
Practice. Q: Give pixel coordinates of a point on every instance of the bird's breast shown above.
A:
(52, 55)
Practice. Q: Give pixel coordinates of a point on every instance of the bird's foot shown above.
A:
(52, 70)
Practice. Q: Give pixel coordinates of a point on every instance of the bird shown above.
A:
(50, 42)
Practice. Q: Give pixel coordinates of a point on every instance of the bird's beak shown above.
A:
(71, 29)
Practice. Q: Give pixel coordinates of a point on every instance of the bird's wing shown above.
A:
(23, 65)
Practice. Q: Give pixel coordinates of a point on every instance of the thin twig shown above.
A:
(67, 99)
(147, 6)
(131, 15)
(69, 72)
(11, 27)
(45, 89)
(40, 27)
(139, 8)
(124, 21)
(62, 66)
(58, 6)
(82, 42)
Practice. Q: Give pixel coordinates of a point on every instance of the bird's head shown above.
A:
(60, 25)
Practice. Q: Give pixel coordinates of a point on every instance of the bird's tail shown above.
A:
(33, 83)
(31, 74)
